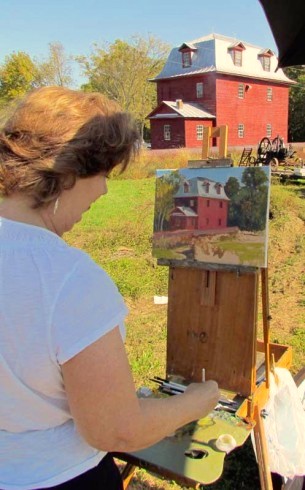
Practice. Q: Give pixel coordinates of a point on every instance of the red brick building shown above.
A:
(200, 204)
(217, 80)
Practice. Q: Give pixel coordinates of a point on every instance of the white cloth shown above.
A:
(54, 302)
(284, 424)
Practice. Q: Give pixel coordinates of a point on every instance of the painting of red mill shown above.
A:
(212, 215)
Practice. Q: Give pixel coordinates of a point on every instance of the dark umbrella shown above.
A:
(287, 21)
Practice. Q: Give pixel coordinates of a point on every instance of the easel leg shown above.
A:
(127, 474)
(261, 451)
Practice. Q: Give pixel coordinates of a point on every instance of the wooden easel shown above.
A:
(212, 324)
(212, 318)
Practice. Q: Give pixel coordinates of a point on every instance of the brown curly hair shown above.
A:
(57, 135)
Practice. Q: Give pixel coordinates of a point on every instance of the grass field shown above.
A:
(117, 233)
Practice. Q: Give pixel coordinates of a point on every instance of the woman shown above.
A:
(66, 391)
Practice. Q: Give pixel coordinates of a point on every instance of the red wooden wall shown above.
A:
(191, 131)
(220, 98)
(254, 110)
(185, 88)
(212, 213)
(177, 133)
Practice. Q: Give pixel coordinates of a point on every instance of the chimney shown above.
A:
(179, 103)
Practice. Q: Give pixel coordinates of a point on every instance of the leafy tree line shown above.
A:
(296, 126)
(248, 202)
(166, 188)
(120, 70)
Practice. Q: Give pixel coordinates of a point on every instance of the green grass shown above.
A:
(117, 233)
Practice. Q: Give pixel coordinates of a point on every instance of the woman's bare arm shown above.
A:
(105, 407)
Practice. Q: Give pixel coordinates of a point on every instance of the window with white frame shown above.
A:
(199, 131)
(186, 59)
(269, 94)
(266, 63)
(269, 130)
(199, 90)
(167, 132)
(237, 57)
(241, 130)
(241, 91)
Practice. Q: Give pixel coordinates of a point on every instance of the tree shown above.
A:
(248, 202)
(166, 188)
(232, 188)
(18, 75)
(296, 130)
(253, 199)
(121, 71)
(56, 69)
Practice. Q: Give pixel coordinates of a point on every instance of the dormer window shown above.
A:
(237, 58)
(266, 62)
(187, 51)
(236, 51)
(186, 59)
(186, 187)
(265, 59)
(218, 188)
(206, 186)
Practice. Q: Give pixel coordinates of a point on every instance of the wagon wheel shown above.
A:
(263, 148)
(274, 163)
(277, 143)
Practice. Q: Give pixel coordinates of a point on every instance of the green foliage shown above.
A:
(121, 71)
(232, 187)
(18, 75)
(167, 186)
(296, 103)
(248, 205)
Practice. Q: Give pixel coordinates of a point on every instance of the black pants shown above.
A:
(105, 476)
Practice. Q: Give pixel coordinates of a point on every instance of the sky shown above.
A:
(219, 174)
(30, 25)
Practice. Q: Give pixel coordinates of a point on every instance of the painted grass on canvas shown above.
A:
(212, 215)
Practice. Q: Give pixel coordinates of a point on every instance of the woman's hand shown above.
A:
(106, 410)
(205, 396)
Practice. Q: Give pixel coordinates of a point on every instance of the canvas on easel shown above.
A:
(212, 215)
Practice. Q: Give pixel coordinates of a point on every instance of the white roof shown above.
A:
(184, 210)
(203, 187)
(188, 109)
(213, 55)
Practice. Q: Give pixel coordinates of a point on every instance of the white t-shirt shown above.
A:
(54, 302)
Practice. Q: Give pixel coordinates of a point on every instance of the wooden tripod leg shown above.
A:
(261, 452)
(266, 324)
(127, 474)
